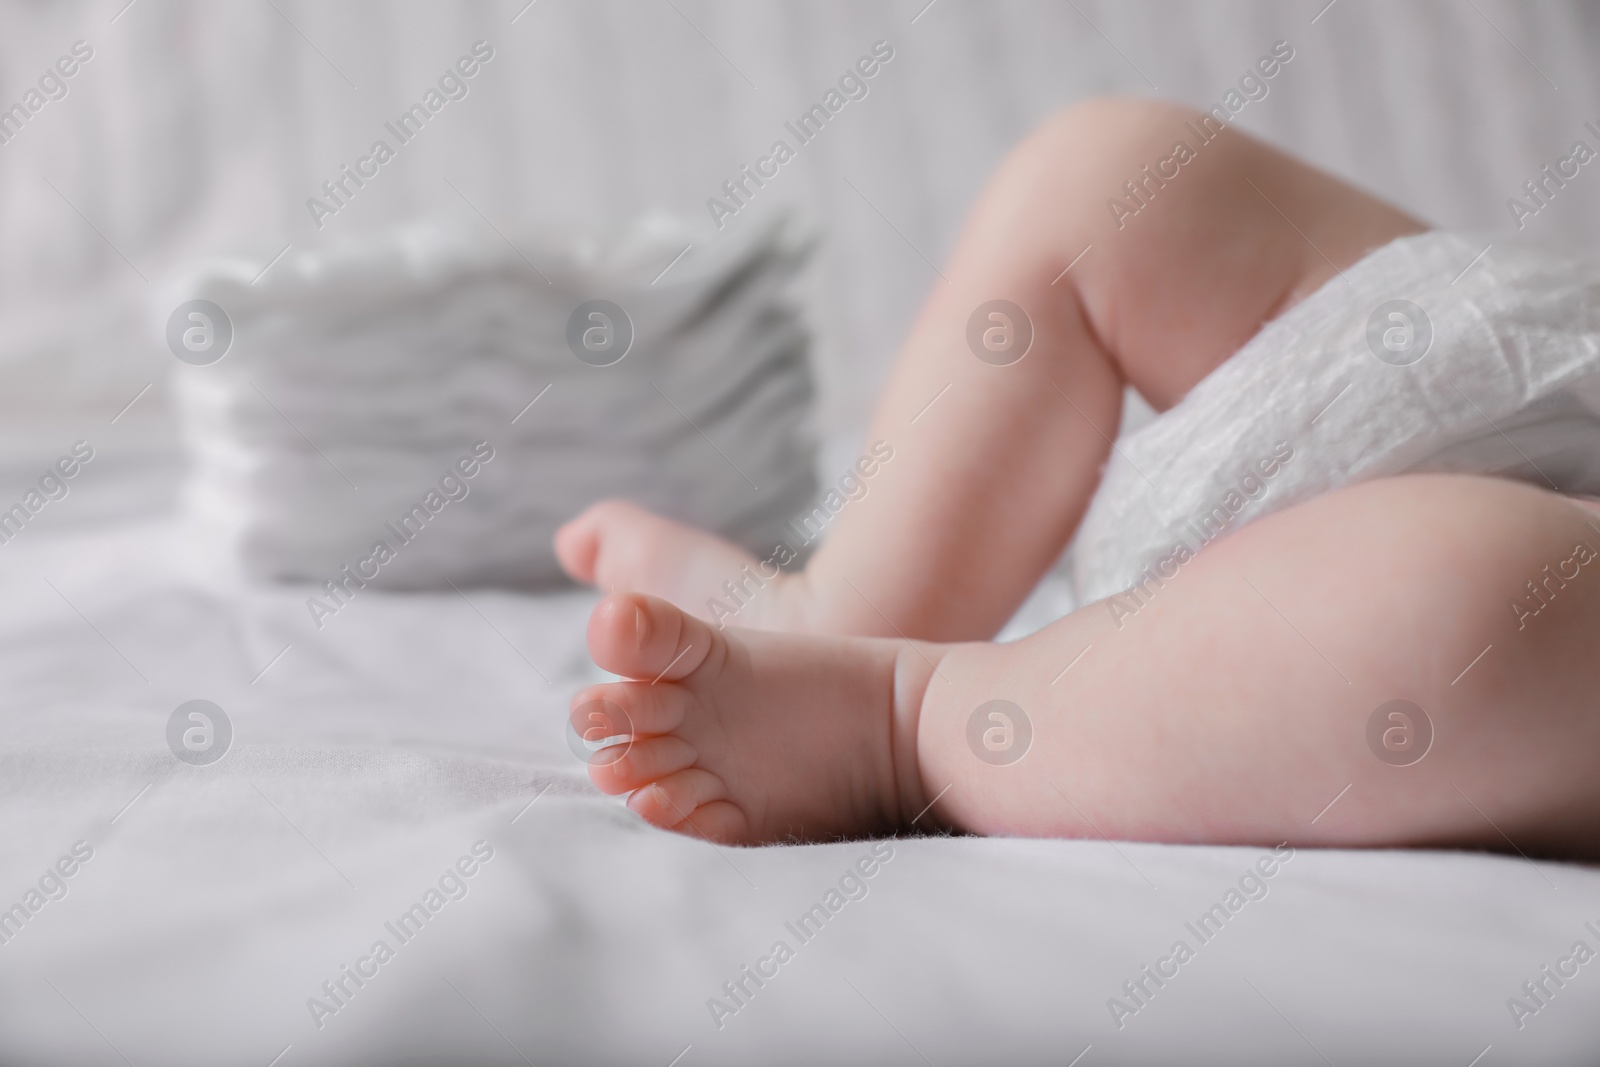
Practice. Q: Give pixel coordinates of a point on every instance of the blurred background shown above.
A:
(197, 129)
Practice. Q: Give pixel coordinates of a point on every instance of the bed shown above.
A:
(229, 912)
(368, 759)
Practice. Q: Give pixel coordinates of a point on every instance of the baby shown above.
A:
(863, 696)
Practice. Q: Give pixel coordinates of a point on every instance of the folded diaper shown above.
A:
(361, 375)
(1430, 354)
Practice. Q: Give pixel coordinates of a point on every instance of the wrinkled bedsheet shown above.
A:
(401, 777)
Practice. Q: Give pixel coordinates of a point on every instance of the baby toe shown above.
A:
(641, 762)
(599, 724)
(643, 637)
(577, 546)
(671, 800)
(720, 821)
(638, 706)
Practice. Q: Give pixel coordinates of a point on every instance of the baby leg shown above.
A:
(1253, 688)
(1247, 701)
(995, 458)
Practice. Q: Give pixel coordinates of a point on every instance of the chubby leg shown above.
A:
(1235, 706)
(994, 465)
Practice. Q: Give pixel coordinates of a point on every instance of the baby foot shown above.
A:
(620, 547)
(745, 737)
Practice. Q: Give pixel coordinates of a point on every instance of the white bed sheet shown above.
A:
(373, 754)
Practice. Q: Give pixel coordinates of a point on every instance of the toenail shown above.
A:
(641, 624)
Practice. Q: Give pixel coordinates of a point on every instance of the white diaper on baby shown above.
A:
(1431, 354)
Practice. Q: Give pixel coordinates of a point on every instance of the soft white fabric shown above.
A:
(1509, 386)
(360, 375)
(378, 750)
(203, 127)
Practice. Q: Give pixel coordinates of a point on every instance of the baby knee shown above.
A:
(1115, 117)
(1103, 135)
(1091, 166)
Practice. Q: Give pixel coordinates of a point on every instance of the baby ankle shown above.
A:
(916, 666)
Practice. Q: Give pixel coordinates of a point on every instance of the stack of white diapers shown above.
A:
(396, 372)
(1428, 355)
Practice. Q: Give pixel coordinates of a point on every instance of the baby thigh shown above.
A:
(1411, 661)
